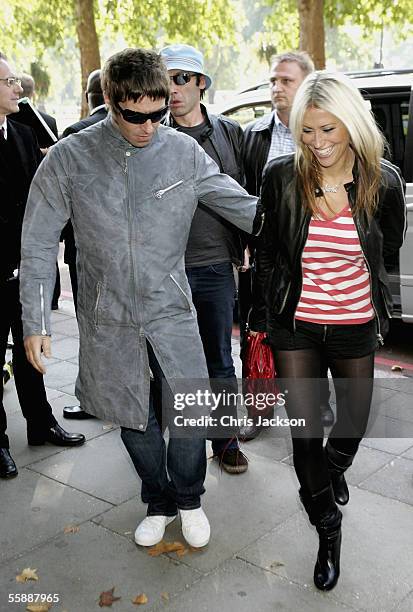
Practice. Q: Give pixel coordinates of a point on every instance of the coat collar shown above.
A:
(265, 123)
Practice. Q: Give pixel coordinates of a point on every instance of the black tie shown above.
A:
(2, 132)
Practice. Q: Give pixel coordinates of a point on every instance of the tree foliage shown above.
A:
(282, 24)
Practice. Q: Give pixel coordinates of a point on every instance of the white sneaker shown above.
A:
(151, 530)
(195, 527)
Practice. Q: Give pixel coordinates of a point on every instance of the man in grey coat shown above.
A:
(130, 186)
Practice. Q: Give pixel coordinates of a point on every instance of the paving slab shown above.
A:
(373, 529)
(402, 384)
(240, 586)
(67, 327)
(79, 566)
(240, 508)
(22, 453)
(34, 508)
(89, 427)
(100, 467)
(59, 375)
(406, 605)
(400, 407)
(394, 480)
(408, 454)
(367, 462)
(66, 348)
(394, 446)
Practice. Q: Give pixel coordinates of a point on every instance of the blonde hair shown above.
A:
(336, 94)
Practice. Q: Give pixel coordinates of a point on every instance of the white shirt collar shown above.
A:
(277, 120)
(97, 108)
(4, 126)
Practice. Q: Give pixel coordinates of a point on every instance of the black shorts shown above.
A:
(337, 341)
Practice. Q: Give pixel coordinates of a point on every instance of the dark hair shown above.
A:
(198, 80)
(132, 74)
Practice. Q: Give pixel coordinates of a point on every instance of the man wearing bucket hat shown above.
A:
(214, 245)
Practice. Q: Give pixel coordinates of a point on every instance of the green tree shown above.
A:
(46, 23)
(302, 23)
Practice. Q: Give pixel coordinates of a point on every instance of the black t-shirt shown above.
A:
(210, 235)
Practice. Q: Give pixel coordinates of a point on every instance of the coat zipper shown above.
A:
(161, 192)
(182, 291)
(42, 313)
(96, 309)
(379, 335)
(261, 225)
(130, 221)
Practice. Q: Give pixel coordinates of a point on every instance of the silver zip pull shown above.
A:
(158, 194)
(127, 154)
(44, 332)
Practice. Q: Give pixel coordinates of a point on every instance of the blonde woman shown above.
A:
(330, 213)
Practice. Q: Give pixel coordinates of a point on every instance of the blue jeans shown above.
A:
(171, 477)
(213, 294)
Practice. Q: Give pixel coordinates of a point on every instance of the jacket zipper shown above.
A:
(130, 221)
(42, 314)
(285, 298)
(182, 291)
(379, 336)
(161, 192)
(96, 309)
(261, 225)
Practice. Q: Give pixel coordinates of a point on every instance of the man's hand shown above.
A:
(35, 346)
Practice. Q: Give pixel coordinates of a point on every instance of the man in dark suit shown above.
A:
(19, 158)
(28, 86)
(98, 111)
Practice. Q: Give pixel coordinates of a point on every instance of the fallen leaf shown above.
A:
(166, 547)
(397, 368)
(165, 596)
(193, 549)
(27, 574)
(140, 600)
(71, 529)
(39, 607)
(106, 598)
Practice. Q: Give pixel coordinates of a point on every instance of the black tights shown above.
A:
(353, 383)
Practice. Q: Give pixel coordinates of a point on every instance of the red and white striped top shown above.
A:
(336, 282)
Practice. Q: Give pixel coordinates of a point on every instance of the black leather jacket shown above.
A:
(283, 234)
(257, 142)
(226, 137)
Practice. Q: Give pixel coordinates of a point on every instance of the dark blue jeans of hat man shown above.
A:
(213, 295)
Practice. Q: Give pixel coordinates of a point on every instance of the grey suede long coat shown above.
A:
(131, 210)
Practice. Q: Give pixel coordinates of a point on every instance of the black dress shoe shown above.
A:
(8, 468)
(76, 412)
(327, 415)
(249, 432)
(56, 435)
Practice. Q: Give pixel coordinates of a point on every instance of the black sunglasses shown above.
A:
(134, 117)
(182, 78)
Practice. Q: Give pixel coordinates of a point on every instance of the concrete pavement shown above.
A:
(262, 549)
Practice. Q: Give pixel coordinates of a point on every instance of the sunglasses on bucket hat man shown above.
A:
(182, 78)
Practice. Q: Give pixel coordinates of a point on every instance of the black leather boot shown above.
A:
(325, 515)
(250, 432)
(338, 463)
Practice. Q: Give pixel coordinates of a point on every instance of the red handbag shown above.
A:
(257, 368)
